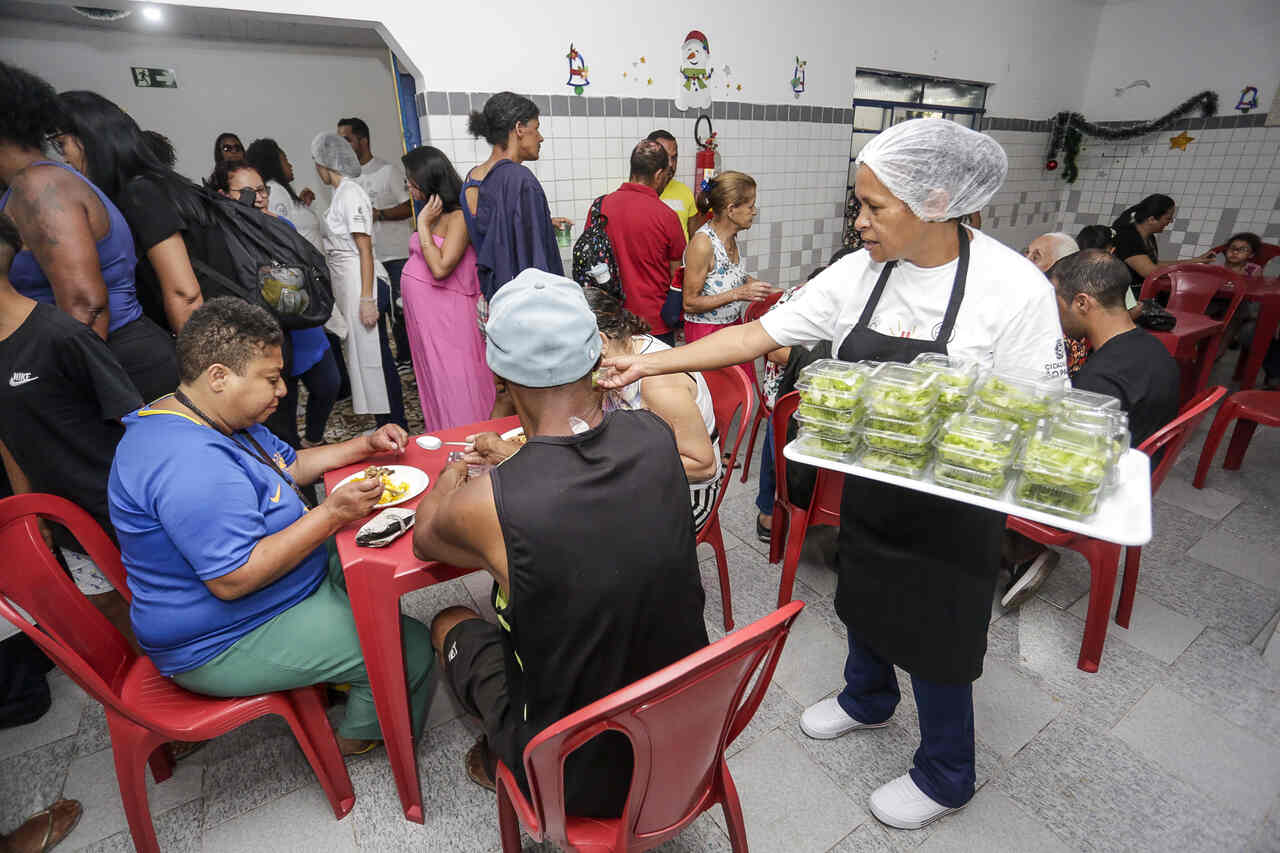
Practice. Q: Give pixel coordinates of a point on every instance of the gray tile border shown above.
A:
(732, 110)
(559, 105)
(771, 112)
(595, 107)
(544, 103)
(459, 103)
(719, 110)
(577, 106)
(437, 103)
(420, 103)
(628, 106)
(612, 106)
(644, 108)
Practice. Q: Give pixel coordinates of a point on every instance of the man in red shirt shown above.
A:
(647, 239)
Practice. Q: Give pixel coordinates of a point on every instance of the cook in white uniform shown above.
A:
(348, 247)
(917, 572)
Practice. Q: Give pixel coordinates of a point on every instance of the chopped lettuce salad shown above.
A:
(893, 463)
(1049, 498)
(967, 480)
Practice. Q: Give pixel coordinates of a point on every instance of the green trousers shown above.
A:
(315, 642)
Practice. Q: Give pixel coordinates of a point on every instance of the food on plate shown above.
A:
(392, 490)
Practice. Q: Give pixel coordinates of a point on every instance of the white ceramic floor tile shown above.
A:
(61, 720)
(812, 816)
(1207, 502)
(812, 663)
(1010, 709)
(1250, 561)
(301, 822)
(1153, 628)
(1231, 765)
(992, 823)
(92, 781)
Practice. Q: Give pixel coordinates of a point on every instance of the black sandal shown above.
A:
(479, 763)
(764, 532)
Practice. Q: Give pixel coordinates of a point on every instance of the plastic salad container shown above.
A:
(1063, 469)
(838, 449)
(897, 435)
(1023, 399)
(831, 392)
(956, 378)
(987, 483)
(1077, 399)
(977, 443)
(894, 463)
(901, 391)
(1114, 422)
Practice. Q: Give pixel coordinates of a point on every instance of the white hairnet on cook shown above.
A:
(333, 152)
(938, 168)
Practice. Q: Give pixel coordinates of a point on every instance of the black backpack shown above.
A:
(275, 266)
(593, 247)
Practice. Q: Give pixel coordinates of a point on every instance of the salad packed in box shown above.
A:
(1063, 468)
(1077, 399)
(905, 465)
(901, 391)
(837, 449)
(897, 435)
(986, 483)
(831, 392)
(957, 379)
(1024, 399)
(977, 443)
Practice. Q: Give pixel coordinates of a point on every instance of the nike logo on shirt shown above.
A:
(275, 499)
(21, 379)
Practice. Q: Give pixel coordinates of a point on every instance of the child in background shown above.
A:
(1241, 250)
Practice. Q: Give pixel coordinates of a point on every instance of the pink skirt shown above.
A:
(693, 331)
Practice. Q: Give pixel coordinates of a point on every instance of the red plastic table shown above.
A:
(1184, 343)
(376, 578)
(1266, 292)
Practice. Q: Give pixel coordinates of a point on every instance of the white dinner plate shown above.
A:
(415, 477)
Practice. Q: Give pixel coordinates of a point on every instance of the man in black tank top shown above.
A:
(588, 535)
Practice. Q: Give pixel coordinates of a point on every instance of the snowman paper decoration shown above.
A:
(695, 72)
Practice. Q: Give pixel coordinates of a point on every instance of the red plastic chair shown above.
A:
(1191, 288)
(1104, 557)
(679, 720)
(731, 396)
(145, 710)
(1250, 408)
(789, 519)
(754, 312)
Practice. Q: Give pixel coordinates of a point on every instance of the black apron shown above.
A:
(917, 571)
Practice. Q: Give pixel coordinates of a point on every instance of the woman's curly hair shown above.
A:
(29, 105)
(616, 322)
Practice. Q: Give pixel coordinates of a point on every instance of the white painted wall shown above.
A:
(1182, 47)
(1035, 51)
(287, 92)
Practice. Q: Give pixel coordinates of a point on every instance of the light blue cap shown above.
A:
(541, 332)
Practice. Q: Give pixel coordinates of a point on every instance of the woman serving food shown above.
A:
(917, 572)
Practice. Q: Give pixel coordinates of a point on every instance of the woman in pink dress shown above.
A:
(439, 288)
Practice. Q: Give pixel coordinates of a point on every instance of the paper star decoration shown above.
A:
(1181, 141)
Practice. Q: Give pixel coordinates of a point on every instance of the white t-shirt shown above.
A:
(309, 225)
(1008, 319)
(384, 182)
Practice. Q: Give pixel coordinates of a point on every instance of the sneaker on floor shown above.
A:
(901, 804)
(1027, 580)
(827, 720)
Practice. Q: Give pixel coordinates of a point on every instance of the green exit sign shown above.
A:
(155, 78)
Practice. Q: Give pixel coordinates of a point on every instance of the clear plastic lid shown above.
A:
(1077, 399)
(898, 435)
(1029, 393)
(987, 483)
(1065, 456)
(830, 374)
(842, 449)
(818, 422)
(904, 465)
(973, 441)
(1046, 497)
(902, 391)
(953, 371)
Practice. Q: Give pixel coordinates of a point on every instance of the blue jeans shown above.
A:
(944, 766)
(768, 477)
(395, 393)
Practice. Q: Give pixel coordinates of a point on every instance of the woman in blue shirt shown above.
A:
(234, 593)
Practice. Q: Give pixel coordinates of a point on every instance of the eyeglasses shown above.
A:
(55, 142)
(229, 147)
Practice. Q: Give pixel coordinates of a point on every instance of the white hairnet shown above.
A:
(333, 152)
(938, 168)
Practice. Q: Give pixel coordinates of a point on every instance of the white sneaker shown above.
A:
(1030, 580)
(827, 720)
(903, 805)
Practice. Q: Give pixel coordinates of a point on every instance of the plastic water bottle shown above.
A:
(600, 272)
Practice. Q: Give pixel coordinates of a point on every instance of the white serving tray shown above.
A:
(1123, 515)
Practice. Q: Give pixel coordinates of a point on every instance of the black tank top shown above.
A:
(604, 584)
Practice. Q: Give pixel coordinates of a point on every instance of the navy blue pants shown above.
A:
(399, 333)
(944, 766)
(768, 477)
(395, 393)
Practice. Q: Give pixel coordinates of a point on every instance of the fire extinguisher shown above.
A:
(704, 165)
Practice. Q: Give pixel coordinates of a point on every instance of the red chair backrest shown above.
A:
(71, 631)
(756, 310)
(1192, 286)
(1172, 436)
(679, 721)
(731, 395)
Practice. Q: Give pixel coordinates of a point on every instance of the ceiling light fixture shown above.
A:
(152, 14)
